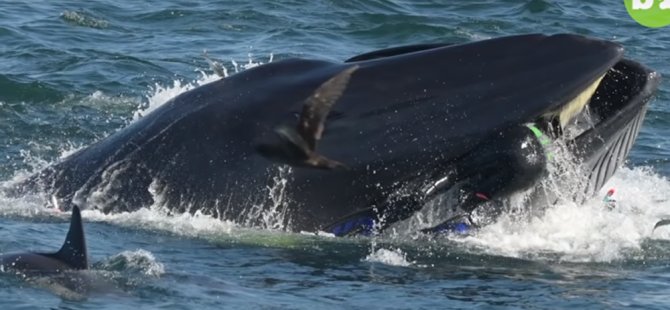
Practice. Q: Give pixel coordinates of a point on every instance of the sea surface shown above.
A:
(72, 72)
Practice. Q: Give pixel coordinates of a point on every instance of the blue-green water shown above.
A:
(73, 72)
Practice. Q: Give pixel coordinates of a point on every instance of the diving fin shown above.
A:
(73, 252)
(359, 223)
(379, 217)
(459, 224)
(297, 146)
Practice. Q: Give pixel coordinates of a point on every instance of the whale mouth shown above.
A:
(599, 127)
(602, 134)
(570, 111)
(601, 124)
(621, 93)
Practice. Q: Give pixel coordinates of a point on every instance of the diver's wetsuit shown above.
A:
(511, 160)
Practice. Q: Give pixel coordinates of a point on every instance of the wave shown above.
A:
(135, 262)
(14, 91)
(84, 19)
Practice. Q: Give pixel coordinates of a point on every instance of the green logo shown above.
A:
(649, 13)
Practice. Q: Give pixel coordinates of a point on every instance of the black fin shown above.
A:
(360, 222)
(661, 223)
(393, 51)
(73, 252)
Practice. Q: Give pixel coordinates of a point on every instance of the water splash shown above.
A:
(160, 94)
(588, 232)
(138, 261)
(391, 257)
(273, 213)
(196, 225)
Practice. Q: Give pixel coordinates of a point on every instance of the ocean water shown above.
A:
(71, 72)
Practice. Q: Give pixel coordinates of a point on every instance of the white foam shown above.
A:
(273, 213)
(161, 94)
(588, 232)
(83, 18)
(391, 257)
(142, 260)
(186, 224)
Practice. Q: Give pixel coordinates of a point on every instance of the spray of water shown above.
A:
(160, 94)
(272, 213)
(392, 257)
(138, 261)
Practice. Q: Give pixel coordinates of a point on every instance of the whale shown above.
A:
(362, 144)
(72, 255)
